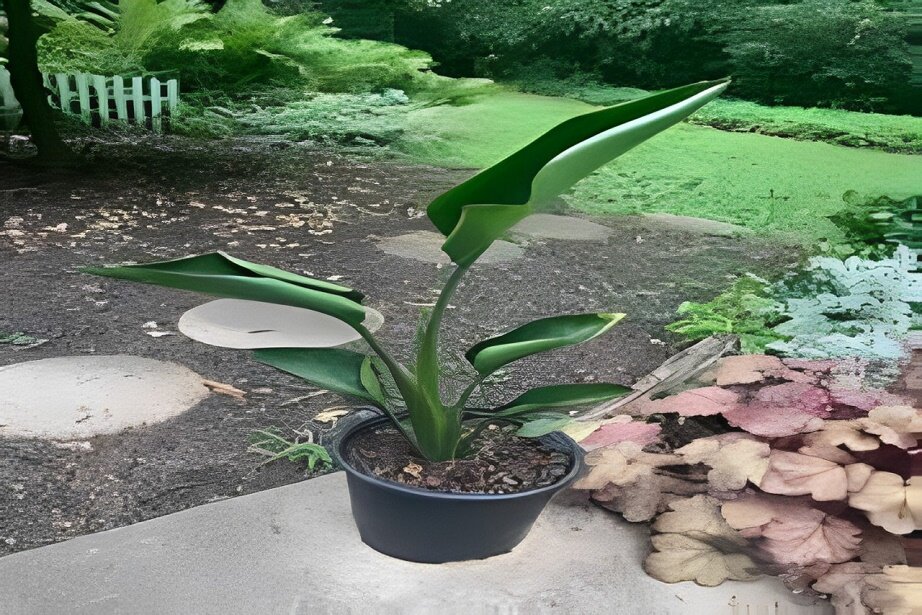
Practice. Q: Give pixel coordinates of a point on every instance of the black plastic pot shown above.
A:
(434, 527)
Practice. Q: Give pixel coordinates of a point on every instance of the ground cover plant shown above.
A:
(782, 467)
(471, 216)
(831, 308)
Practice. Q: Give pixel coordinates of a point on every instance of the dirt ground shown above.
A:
(307, 210)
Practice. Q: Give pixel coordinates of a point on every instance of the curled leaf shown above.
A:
(636, 484)
(900, 426)
(827, 442)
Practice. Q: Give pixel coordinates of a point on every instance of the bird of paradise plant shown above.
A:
(472, 216)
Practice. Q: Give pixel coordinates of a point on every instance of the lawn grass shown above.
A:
(769, 184)
(892, 133)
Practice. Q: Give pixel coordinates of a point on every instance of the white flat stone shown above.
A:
(699, 226)
(295, 550)
(426, 246)
(236, 323)
(568, 228)
(70, 398)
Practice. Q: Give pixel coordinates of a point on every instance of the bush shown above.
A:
(343, 119)
(242, 46)
(835, 53)
(832, 53)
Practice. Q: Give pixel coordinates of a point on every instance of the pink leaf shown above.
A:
(791, 532)
(796, 474)
(695, 402)
(781, 410)
(617, 432)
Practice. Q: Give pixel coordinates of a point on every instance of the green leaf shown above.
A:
(552, 163)
(538, 336)
(370, 382)
(561, 396)
(542, 427)
(329, 368)
(224, 276)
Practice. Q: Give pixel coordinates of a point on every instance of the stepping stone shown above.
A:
(71, 398)
(700, 226)
(235, 323)
(426, 246)
(295, 549)
(567, 228)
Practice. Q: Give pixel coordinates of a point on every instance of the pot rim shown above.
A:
(574, 449)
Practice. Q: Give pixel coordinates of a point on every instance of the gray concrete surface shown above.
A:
(295, 550)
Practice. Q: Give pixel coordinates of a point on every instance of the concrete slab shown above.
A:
(567, 228)
(70, 398)
(426, 246)
(295, 550)
(235, 323)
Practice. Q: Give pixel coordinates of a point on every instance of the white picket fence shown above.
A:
(101, 100)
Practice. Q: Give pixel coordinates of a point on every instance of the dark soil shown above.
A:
(303, 209)
(502, 462)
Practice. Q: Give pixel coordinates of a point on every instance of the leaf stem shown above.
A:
(427, 364)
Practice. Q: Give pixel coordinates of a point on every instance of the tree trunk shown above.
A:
(26, 80)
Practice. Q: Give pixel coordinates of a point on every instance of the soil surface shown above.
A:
(501, 462)
(311, 211)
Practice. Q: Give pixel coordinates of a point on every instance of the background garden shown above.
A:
(312, 135)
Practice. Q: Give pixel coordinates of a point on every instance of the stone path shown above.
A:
(235, 323)
(74, 398)
(295, 550)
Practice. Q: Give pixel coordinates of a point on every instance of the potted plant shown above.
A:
(433, 514)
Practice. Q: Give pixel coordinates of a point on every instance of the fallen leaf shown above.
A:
(224, 389)
(622, 428)
(734, 458)
(330, 416)
(413, 470)
(695, 402)
(694, 543)
(791, 532)
(890, 502)
(795, 474)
